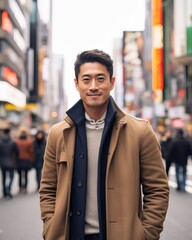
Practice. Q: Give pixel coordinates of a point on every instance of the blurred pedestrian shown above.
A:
(165, 143)
(103, 175)
(25, 159)
(8, 161)
(179, 153)
(1, 133)
(39, 149)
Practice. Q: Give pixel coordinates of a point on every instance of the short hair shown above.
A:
(94, 55)
(180, 132)
(6, 130)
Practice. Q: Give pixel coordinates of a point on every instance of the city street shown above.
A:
(76, 80)
(20, 216)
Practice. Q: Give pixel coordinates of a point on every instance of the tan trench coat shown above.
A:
(134, 171)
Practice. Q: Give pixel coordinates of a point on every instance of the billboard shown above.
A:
(157, 48)
(134, 84)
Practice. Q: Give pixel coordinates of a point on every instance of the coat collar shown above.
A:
(77, 112)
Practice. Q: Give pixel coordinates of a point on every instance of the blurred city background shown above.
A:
(151, 44)
(153, 65)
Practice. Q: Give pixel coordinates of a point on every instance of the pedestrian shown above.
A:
(39, 149)
(179, 153)
(165, 143)
(96, 162)
(8, 161)
(25, 159)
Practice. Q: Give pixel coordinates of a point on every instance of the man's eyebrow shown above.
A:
(86, 75)
(98, 74)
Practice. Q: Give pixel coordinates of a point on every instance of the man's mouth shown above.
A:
(93, 94)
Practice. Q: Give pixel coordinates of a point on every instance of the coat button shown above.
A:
(70, 214)
(78, 212)
(81, 155)
(79, 184)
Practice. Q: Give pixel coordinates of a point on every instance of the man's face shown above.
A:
(94, 85)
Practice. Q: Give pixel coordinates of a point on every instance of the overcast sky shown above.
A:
(79, 25)
(85, 24)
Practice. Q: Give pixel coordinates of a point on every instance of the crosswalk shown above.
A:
(172, 178)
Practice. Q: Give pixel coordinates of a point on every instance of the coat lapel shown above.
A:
(69, 144)
(115, 135)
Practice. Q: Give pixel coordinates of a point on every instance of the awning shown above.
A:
(12, 95)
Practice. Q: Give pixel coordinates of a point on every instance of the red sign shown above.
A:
(6, 22)
(157, 41)
(157, 12)
(157, 73)
(10, 76)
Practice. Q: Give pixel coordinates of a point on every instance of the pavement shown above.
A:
(20, 216)
(177, 225)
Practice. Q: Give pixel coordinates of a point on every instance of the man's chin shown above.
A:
(94, 104)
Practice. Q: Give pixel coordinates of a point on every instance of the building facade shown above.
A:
(14, 42)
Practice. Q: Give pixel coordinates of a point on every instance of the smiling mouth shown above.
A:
(94, 94)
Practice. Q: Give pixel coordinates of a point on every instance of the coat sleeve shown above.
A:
(154, 185)
(48, 183)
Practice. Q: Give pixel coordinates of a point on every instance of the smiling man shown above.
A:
(94, 84)
(103, 176)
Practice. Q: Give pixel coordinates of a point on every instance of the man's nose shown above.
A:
(93, 84)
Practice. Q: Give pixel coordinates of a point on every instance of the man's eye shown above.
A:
(101, 79)
(85, 79)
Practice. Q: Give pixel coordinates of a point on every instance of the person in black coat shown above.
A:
(8, 161)
(39, 149)
(165, 143)
(179, 153)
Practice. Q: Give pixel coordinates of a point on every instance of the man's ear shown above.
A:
(76, 84)
(112, 82)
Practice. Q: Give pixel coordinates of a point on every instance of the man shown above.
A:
(165, 143)
(8, 161)
(96, 163)
(179, 153)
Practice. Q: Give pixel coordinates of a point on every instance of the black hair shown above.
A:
(94, 55)
(180, 132)
(6, 130)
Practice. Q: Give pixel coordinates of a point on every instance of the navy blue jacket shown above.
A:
(79, 182)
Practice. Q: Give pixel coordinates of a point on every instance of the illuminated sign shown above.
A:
(12, 95)
(8, 26)
(28, 106)
(157, 45)
(134, 83)
(6, 22)
(10, 76)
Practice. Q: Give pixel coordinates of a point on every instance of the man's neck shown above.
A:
(96, 113)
